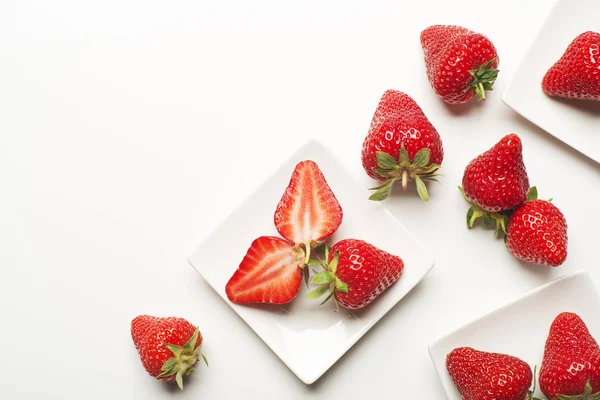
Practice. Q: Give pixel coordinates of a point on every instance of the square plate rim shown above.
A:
(359, 334)
(507, 95)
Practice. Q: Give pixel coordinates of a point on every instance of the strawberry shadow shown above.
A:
(355, 351)
(463, 109)
(587, 106)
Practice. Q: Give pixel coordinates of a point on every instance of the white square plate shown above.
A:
(291, 330)
(521, 328)
(575, 122)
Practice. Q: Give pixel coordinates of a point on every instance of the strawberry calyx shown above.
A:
(483, 79)
(586, 395)
(183, 360)
(418, 169)
(326, 280)
(530, 393)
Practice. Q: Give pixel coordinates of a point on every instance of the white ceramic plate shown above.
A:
(291, 330)
(577, 123)
(521, 328)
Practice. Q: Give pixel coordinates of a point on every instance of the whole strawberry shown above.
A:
(576, 75)
(401, 145)
(537, 233)
(355, 273)
(479, 375)
(168, 347)
(460, 63)
(571, 364)
(496, 181)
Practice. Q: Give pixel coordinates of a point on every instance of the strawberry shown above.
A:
(571, 364)
(168, 347)
(496, 181)
(576, 75)
(401, 145)
(537, 232)
(269, 273)
(355, 273)
(479, 375)
(460, 63)
(308, 212)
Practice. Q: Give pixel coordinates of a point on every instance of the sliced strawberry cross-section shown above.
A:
(269, 273)
(308, 211)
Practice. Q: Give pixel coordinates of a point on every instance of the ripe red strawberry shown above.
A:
(168, 347)
(496, 181)
(308, 212)
(577, 74)
(356, 273)
(269, 273)
(479, 375)
(401, 145)
(460, 63)
(571, 364)
(537, 233)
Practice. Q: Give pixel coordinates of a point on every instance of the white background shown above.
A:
(129, 129)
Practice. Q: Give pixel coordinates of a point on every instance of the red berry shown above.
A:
(571, 363)
(460, 63)
(576, 75)
(308, 212)
(399, 123)
(168, 347)
(479, 375)
(497, 179)
(356, 273)
(537, 233)
(269, 273)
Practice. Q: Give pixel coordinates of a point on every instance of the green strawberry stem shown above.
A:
(418, 169)
(586, 395)
(498, 220)
(183, 360)
(326, 281)
(530, 394)
(483, 79)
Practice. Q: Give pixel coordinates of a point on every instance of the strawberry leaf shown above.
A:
(421, 188)
(340, 286)
(323, 278)
(318, 292)
(385, 161)
(382, 191)
(532, 195)
(327, 298)
(205, 359)
(386, 173)
(421, 158)
(404, 158)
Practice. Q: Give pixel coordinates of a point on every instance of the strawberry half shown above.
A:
(269, 273)
(308, 212)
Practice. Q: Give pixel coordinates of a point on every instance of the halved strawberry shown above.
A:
(269, 273)
(308, 212)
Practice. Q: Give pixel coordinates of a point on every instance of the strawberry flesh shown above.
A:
(308, 212)
(269, 273)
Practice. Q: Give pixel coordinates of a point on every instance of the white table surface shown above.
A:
(129, 129)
